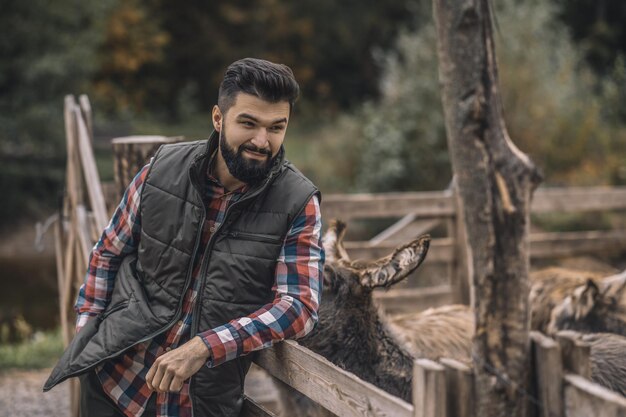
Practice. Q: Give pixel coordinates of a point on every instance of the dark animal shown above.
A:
(595, 305)
(353, 334)
(608, 360)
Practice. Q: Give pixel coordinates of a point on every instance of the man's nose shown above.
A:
(261, 138)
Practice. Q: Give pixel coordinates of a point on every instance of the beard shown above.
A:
(244, 169)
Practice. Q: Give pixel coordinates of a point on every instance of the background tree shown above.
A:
(495, 182)
(47, 50)
(565, 115)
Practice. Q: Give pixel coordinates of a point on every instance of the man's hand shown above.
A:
(171, 369)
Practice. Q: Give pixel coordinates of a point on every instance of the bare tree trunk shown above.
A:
(131, 153)
(496, 182)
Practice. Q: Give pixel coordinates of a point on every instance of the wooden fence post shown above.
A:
(459, 388)
(575, 353)
(429, 389)
(549, 375)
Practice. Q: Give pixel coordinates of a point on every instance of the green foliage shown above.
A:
(556, 108)
(327, 43)
(47, 50)
(598, 28)
(405, 142)
(40, 352)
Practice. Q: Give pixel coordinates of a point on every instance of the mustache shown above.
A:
(254, 148)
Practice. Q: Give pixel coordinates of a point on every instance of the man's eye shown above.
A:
(277, 128)
(247, 123)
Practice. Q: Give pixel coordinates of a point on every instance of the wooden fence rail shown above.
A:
(440, 203)
(560, 384)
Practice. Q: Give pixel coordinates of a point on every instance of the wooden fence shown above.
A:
(420, 212)
(560, 384)
(439, 389)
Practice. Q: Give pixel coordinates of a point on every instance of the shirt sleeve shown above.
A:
(297, 288)
(118, 239)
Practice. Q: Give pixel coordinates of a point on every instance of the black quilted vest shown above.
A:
(237, 272)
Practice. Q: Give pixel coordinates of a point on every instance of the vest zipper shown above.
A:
(253, 236)
(205, 261)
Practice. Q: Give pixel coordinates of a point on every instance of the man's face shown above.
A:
(251, 133)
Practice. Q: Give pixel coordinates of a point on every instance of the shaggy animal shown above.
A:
(593, 306)
(549, 287)
(608, 362)
(353, 334)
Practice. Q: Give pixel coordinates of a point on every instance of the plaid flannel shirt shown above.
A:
(292, 314)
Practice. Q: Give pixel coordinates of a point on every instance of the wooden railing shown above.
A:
(560, 384)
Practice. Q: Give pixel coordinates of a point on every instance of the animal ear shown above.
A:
(329, 274)
(394, 268)
(584, 299)
(333, 241)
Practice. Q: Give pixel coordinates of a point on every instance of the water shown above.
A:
(28, 282)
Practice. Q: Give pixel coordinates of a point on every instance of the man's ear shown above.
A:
(217, 117)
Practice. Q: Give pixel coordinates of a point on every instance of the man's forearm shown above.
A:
(288, 318)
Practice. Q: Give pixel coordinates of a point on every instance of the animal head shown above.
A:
(595, 306)
(345, 277)
(349, 332)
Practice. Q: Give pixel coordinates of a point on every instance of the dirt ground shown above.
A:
(21, 395)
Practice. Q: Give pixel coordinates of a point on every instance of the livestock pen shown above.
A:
(560, 384)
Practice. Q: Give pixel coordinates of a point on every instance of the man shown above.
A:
(213, 253)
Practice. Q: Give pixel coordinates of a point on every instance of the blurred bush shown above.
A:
(557, 110)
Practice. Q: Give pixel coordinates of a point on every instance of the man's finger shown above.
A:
(176, 385)
(164, 385)
(150, 376)
(158, 375)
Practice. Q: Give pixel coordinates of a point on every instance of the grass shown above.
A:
(40, 352)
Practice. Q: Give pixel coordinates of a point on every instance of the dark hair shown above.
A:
(266, 80)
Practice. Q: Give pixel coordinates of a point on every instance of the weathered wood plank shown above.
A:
(459, 388)
(542, 245)
(549, 375)
(575, 353)
(441, 250)
(90, 171)
(440, 204)
(335, 389)
(413, 299)
(548, 245)
(60, 267)
(422, 204)
(573, 199)
(584, 398)
(74, 186)
(85, 109)
(83, 228)
(407, 228)
(254, 409)
(429, 389)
